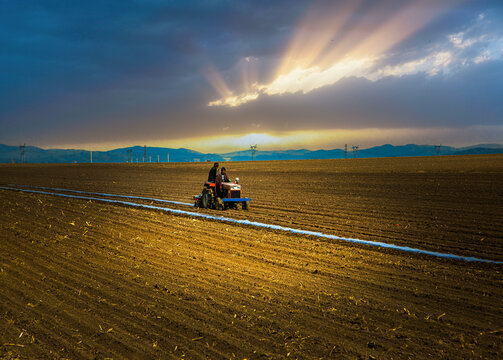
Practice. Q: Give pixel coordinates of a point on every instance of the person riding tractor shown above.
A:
(212, 176)
(221, 178)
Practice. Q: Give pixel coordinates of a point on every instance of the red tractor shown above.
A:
(230, 197)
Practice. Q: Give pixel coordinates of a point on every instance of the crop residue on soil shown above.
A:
(82, 279)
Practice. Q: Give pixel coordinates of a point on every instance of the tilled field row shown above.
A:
(439, 239)
(248, 223)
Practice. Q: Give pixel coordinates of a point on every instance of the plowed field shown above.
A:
(84, 279)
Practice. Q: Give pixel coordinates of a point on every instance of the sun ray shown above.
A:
(315, 34)
(216, 80)
(403, 24)
(332, 43)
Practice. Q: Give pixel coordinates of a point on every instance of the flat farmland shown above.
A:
(86, 279)
(446, 204)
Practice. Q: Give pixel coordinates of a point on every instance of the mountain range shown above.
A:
(32, 154)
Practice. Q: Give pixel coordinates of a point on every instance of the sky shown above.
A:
(221, 75)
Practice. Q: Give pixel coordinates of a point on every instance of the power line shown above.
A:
(253, 149)
(355, 150)
(22, 149)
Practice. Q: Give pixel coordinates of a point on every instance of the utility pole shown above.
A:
(345, 151)
(129, 155)
(355, 150)
(253, 149)
(21, 152)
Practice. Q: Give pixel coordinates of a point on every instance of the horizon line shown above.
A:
(248, 149)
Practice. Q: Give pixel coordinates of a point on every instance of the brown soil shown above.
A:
(83, 279)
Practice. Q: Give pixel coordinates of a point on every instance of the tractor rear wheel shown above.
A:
(205, 199)
(245, 205)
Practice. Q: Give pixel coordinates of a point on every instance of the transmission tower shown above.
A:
(355, 150)
(22, 149)
(129, 155)
(345, 151)
(253, 149)
(145, 153)
(438, 149)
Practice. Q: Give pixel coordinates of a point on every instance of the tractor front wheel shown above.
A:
(245, 205)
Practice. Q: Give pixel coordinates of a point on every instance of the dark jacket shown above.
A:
(212, 176)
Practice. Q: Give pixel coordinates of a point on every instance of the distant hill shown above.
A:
(479, 151)
(34, 154)
(285, 155)
(403, 150)
(482, 146)
(9, 154)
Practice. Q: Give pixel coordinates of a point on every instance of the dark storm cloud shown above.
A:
(53, 51)
(66, 52)
(98, 71)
